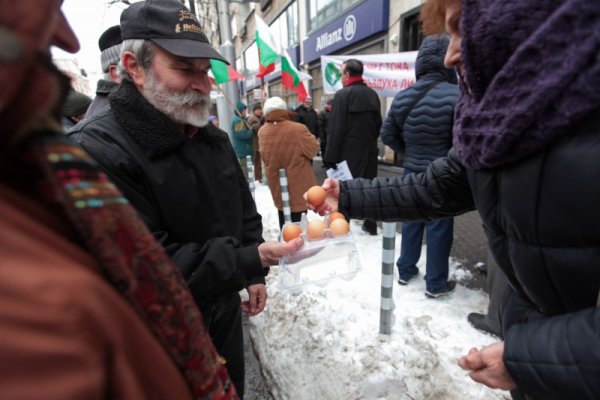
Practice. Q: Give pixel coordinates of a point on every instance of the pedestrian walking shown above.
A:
(242, 135)
(419, 126)
(324, 117)
(354, 128)
(307, 116)
(285, 144)
(109, 44)
(255, 121)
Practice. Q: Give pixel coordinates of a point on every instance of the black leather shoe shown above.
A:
(479, 322)
(371, 228)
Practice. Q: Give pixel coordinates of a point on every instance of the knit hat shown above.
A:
(76, 104)
(169, 25)
(274, 103)
(240, 106)
(110, 47)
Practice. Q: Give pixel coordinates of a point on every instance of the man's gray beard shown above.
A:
(189, 107)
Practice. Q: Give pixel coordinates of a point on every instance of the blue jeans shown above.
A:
(439, 243)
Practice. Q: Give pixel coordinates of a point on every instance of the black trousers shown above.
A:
(223, 319)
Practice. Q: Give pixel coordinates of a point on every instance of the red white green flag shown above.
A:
(268, 47)
(291, 78)
(223, 72)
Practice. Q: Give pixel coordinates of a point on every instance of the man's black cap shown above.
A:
(169, 25)
(111, 37)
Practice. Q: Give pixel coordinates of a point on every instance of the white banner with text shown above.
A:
(387, 74)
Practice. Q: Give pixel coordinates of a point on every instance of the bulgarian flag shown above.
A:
(268, 47)
(291, 78)
(224, 72)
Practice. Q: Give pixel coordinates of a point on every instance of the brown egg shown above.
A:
(339, 227)
(335, 215)
(291, 232)
(315, 195)
(315, 229)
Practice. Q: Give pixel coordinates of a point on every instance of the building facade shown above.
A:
(309, 29)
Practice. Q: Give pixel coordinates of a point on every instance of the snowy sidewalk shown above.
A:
(323, 343)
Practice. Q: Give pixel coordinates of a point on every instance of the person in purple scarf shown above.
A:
(527, 156)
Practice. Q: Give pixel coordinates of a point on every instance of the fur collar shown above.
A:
(152, 130)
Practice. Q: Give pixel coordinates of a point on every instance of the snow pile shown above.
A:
(324, 342)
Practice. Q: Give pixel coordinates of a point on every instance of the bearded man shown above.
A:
(181, 173)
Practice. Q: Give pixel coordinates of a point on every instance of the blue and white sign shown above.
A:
(365, 20)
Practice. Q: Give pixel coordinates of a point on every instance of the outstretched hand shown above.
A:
(332, 194)
(487, 367)
(270, 252)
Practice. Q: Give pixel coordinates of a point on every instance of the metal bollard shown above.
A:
(250, 172)
(387, 279)
(285, 197)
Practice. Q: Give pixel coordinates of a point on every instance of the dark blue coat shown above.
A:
(421, 129)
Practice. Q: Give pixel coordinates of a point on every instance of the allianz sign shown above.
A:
(330, 38)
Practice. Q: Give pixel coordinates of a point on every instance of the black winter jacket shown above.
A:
(541, 215)
(419, 122)
(308, 117)
(190, 192)
(103, 89)
(354, 126)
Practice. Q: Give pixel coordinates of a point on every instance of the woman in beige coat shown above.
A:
(288, 145)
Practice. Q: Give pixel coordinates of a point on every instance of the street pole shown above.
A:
(228, 51)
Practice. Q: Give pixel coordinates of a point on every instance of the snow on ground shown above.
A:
(324, 342)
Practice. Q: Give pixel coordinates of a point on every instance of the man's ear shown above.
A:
(114, 74)
(134, 68)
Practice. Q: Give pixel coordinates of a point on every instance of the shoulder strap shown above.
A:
(418, 98)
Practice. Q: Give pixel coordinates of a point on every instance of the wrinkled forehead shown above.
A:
(199, 63)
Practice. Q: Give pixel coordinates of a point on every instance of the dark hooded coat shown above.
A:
(419, 123)
(353, 130)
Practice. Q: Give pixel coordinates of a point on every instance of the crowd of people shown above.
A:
(139, 222)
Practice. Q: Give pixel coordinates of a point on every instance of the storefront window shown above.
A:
(285, 27)
(251, 58)
(321, 12)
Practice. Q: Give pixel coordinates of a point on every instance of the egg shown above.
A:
(339, 227)
(315, 229)
(291, 232)
(335, 215)
(315, 195)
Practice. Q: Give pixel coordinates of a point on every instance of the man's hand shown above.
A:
(487, 367)
(332, 195)
(257, 299)
(270, 252)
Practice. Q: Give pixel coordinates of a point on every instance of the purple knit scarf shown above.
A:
(533, 70)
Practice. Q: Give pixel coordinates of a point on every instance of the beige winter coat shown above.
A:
(289, 145)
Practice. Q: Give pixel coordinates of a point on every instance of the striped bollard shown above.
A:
(285, 197)
(250, 172)
(387, 278)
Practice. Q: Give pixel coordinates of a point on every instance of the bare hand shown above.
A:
(487, 367)
(257, 299)
(332, 195)
(270, 252)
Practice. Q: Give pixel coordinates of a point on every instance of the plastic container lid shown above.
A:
(319, 261)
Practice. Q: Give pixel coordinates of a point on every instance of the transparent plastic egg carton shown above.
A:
(319, 261)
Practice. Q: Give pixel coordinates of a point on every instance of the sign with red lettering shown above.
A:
(387, 74)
